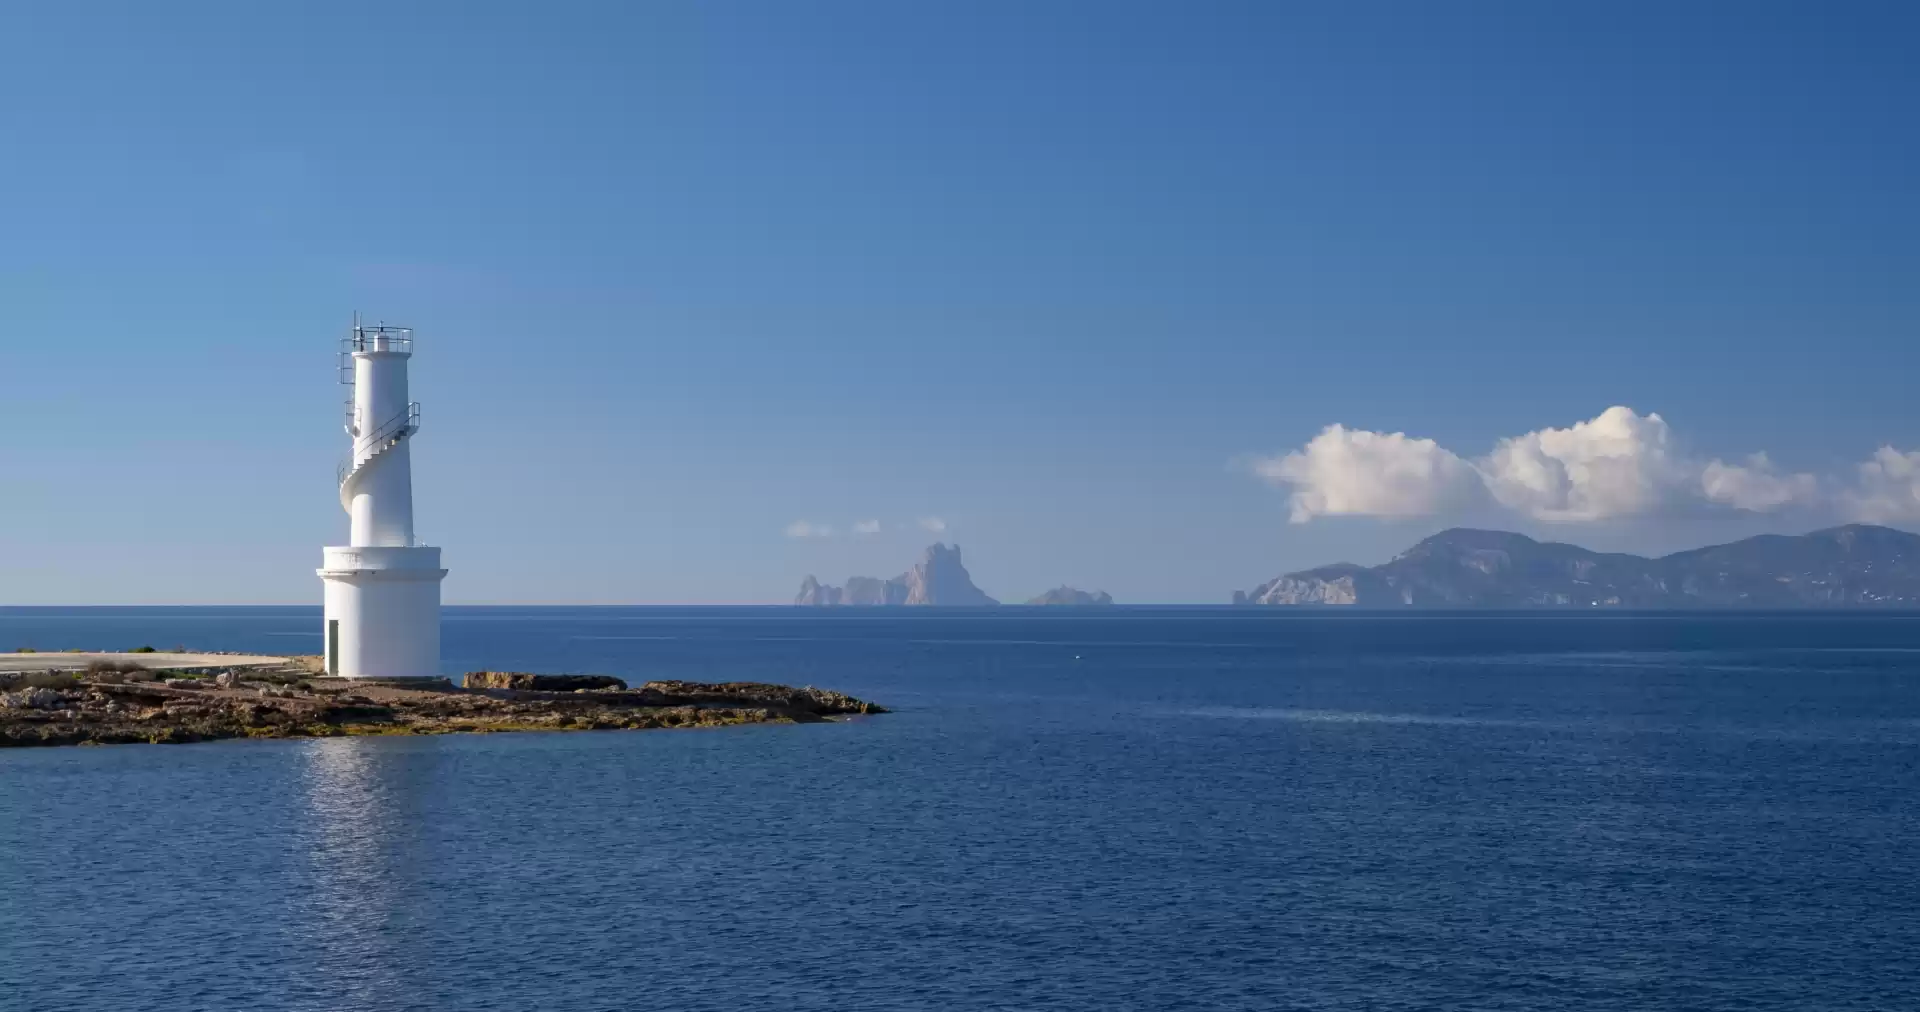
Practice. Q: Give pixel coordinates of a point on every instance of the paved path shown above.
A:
(75, 662)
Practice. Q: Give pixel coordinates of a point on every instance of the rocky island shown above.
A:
(122, 701)
(939, 579)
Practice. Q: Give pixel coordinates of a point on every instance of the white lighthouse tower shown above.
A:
(383, 586)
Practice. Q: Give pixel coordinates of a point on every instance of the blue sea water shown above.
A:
(1126, 809)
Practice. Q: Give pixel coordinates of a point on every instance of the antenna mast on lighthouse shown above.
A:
(382, 588)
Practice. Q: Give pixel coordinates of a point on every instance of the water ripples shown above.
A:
(1303, 827)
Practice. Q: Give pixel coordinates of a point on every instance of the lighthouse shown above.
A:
(382, 588)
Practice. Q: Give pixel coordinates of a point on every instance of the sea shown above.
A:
(1098, 809)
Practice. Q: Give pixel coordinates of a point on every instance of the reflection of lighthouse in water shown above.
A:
(382, 587)
(361, 817)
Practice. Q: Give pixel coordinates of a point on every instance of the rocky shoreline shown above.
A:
(124, 703)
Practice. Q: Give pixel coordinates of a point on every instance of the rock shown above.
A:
(761, 694)
(939, 579)
(539, 683)
(184, 683)
(868, 590)
(497, 680)
(1339, 584)
(110, 713)
(31, 699)
(227, 680)
(814, 594)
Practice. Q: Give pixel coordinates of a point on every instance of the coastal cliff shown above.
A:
(1858, 565)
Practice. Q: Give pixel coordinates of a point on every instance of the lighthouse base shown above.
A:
(382, 616)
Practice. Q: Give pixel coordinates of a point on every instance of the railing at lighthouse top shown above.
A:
(381, 338)
(368, 339)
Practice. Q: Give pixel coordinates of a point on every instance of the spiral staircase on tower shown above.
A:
(370, 452)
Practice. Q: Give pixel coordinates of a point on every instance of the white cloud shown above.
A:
(1618, 464)
(1350, 472)
(1757, 485)
(859, 528)
(1887, 488)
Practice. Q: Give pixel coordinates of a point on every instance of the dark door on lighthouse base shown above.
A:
(333, 647)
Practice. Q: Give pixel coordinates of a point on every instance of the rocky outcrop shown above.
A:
(1070, 597)
(1339, 584)
(79, 711)
(31, 699)
(1854, 566)
(868, 590)
(539, 683)
(815, 594)
(939, 579)
(819, 702)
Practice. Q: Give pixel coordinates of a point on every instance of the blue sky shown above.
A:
(1074, 278)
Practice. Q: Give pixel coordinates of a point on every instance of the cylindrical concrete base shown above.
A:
(382, 612)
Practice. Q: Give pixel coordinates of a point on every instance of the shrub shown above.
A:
(26, 650)
(141, 650)
(115, 672)
(48, 680)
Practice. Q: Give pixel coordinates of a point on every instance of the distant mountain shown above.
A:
(1853, 566)
(939, 579)
(1070, 596)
